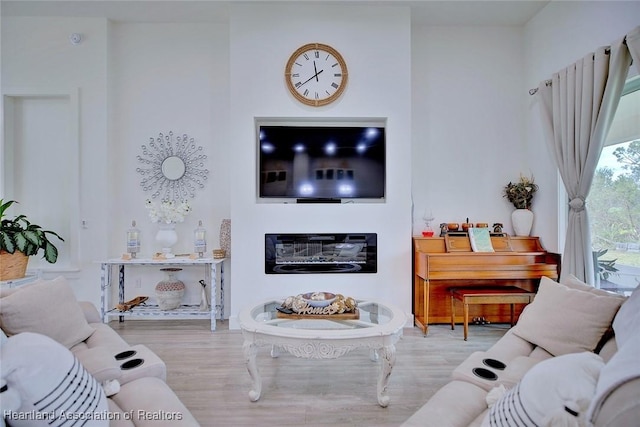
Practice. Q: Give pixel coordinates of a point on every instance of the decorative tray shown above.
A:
(337, 316)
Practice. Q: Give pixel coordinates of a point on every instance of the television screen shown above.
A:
(322, 162)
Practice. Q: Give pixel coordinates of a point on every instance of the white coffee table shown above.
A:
(378, 328)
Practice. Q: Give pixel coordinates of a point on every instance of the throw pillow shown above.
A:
(47, 385)
(48, 307)
(627, 321)
(563, 320)
(554, 392)
(615, 404)
(573, 282)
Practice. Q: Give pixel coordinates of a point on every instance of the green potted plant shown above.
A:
(19, 239)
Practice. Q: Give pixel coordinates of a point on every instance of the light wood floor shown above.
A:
(207, 371)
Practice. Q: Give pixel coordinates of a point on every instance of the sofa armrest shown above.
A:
(90, 311)
(100, 362)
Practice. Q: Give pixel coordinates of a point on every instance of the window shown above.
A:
(614, 199)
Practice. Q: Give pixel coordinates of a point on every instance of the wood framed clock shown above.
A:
(316, 74)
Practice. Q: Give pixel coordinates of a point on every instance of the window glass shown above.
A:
(614, 199)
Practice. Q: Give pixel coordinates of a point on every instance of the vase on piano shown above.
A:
(522, 221)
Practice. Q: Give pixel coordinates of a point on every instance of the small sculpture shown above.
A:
(443, 229)
(497, 227)
(204, 300)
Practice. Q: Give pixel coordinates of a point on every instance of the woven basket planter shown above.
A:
(13, 266)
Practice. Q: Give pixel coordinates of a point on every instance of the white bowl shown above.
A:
(319, 299)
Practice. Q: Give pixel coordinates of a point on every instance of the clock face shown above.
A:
(316, 74)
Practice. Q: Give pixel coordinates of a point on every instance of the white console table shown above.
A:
(146, 311)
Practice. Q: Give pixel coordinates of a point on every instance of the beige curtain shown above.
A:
(577, 107)
(633, 44)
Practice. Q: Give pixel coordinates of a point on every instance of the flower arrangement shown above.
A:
(520, 193)
(167, 211)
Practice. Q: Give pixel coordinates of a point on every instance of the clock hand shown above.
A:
(316, 70)
(311, 78)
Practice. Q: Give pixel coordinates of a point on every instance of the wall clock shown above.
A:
(316, 74)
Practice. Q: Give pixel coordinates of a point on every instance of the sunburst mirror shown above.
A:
(172, 168)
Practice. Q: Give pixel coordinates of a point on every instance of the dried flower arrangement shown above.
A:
(520, 193)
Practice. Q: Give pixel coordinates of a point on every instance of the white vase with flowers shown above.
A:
(166, 214)
(520, 194)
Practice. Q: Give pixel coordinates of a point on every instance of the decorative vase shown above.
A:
(225, 236)
(522, 221)
(167, 237)
(170, 291)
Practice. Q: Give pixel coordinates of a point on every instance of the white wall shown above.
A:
(375, 43)
(468, 139)
(560, 34)
(38, 58)
(167, 77)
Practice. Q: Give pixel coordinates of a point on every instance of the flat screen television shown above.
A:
(321, 162)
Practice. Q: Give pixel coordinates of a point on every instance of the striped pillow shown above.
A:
(560, 388)
(48, 385)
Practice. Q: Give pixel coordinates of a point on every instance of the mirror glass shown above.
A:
(173, 168)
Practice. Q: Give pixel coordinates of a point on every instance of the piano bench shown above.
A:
(487, 295)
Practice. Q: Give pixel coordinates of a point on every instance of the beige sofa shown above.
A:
(571, 360)
(46, 317)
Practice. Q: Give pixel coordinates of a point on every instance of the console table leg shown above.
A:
(388, 360)
(250, 351)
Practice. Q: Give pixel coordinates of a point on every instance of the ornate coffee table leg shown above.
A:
(388, 354)
(250, 351)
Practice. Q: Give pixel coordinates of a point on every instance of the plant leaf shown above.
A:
(7, 243)
(21, 242)
(50, 253)
(32, 236)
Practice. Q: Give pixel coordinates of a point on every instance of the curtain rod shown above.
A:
(535, 89)
(607, 51)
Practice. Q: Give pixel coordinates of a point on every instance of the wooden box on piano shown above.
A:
(441, 263)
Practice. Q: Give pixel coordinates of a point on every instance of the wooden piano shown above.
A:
(444, 262)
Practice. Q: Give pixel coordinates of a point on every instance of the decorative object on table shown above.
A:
(453, 226)
(225, 236)
(204, 299)
(522, 222)
(166, 214)
(427, 218)
(172, 168)
(170, 290)
(200, 240)
(19, 239)
(128, 305)
(443, 229)
(133, 240)
(497, 227)
(219, 253)
(320, 303)
(482, 225)
(520, 194)
(466, 225)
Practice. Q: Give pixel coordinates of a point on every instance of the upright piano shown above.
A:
(444, 262)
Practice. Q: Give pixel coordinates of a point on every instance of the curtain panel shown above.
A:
(577, 107)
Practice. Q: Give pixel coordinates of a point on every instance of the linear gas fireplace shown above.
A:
(321, 253)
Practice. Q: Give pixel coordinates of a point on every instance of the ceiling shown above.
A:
(427, 12)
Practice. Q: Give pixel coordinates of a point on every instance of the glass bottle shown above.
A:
(133, 240)
(199, 240)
